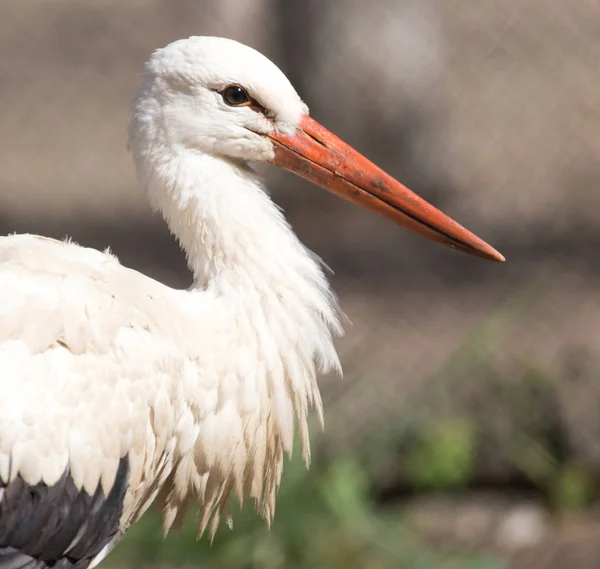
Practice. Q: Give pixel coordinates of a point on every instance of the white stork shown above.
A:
(117, 391)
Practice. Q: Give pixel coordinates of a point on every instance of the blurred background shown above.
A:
(466, 430)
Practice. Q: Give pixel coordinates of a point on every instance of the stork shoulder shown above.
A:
(57, 293)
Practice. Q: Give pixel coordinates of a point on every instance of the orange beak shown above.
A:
(321, 157)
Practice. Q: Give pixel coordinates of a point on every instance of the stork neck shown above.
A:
(231, 231)
(275, 305)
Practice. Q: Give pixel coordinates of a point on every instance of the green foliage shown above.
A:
(444, 457)
(572, 487)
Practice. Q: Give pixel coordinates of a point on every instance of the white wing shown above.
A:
(87, 348)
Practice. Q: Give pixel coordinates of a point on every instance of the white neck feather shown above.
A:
(239, 247)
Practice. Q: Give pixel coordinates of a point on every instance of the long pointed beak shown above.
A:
(318, 155)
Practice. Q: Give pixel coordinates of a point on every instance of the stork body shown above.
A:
(117, 391)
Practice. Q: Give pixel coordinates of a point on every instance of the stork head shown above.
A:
(216, 96)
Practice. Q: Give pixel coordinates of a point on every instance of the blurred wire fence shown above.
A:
(461, 376)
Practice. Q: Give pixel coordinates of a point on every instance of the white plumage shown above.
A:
(197, 388)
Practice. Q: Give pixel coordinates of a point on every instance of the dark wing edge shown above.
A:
(58, 526)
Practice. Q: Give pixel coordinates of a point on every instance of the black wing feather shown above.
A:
(58, 526)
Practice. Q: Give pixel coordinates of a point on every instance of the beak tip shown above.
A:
(494, 255)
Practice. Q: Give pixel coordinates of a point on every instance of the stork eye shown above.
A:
(235, 96)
